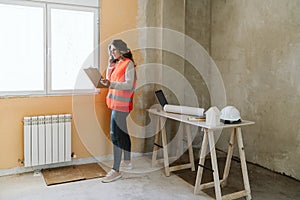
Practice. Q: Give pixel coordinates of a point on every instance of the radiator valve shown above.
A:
(73, 155)
(21, 162)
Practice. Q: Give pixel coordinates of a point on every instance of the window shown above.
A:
(43, 47)
(71, 41)
(22, 48)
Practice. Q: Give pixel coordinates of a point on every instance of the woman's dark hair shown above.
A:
(128, 55)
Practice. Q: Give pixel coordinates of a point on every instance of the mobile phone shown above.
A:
(115, 60)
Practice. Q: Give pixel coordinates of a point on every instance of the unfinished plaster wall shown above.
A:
(256, 45)
(190, 18)
(197, 26)
(167, 14)
(149, 15)
(173, 18)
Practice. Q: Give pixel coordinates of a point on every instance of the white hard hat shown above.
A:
(230, 113)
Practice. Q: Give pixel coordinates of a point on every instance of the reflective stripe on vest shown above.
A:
(121, 100)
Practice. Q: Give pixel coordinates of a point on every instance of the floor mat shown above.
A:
(72, 173)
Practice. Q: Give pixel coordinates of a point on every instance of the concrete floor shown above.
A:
(144, 182)
(265, 184)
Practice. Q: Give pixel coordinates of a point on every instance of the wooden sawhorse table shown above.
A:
(208, 138)
(160, 128)
(217, 183)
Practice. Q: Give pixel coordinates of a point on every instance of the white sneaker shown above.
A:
(125, 165)
(112, 175)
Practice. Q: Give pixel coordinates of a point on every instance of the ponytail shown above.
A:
(128, 55)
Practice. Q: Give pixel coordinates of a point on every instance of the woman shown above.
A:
(121, 80)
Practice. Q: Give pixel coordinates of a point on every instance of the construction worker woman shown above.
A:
(121, 80)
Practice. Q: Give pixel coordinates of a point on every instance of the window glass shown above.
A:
(72, 41)
(43, 47)
(22, 63)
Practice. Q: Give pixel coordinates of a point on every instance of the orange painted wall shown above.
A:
(11, 126)
(118, 19)
(14, 109)
(115, 16)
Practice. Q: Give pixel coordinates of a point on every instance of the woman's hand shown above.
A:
(111, 61)
(105, 82)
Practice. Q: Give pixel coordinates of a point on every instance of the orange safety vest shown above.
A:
(120, 100)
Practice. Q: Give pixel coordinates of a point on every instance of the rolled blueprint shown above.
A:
(184, 110)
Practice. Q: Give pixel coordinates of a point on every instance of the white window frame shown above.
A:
(85, 5)
(28, 92)
(96, 41)
(88, 3)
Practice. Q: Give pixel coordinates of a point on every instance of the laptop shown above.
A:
(95, 76)
(161, 98)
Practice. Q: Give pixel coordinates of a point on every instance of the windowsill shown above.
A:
(48, 95)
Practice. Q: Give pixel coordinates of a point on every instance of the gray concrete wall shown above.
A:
(173, 15)
(149, 15)
(168, 14)
(256, 45)
(197, 26)
(190, 18)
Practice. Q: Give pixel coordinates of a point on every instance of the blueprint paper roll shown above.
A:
(184, 110)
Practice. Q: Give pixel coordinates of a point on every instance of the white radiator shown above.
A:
(47, 139)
